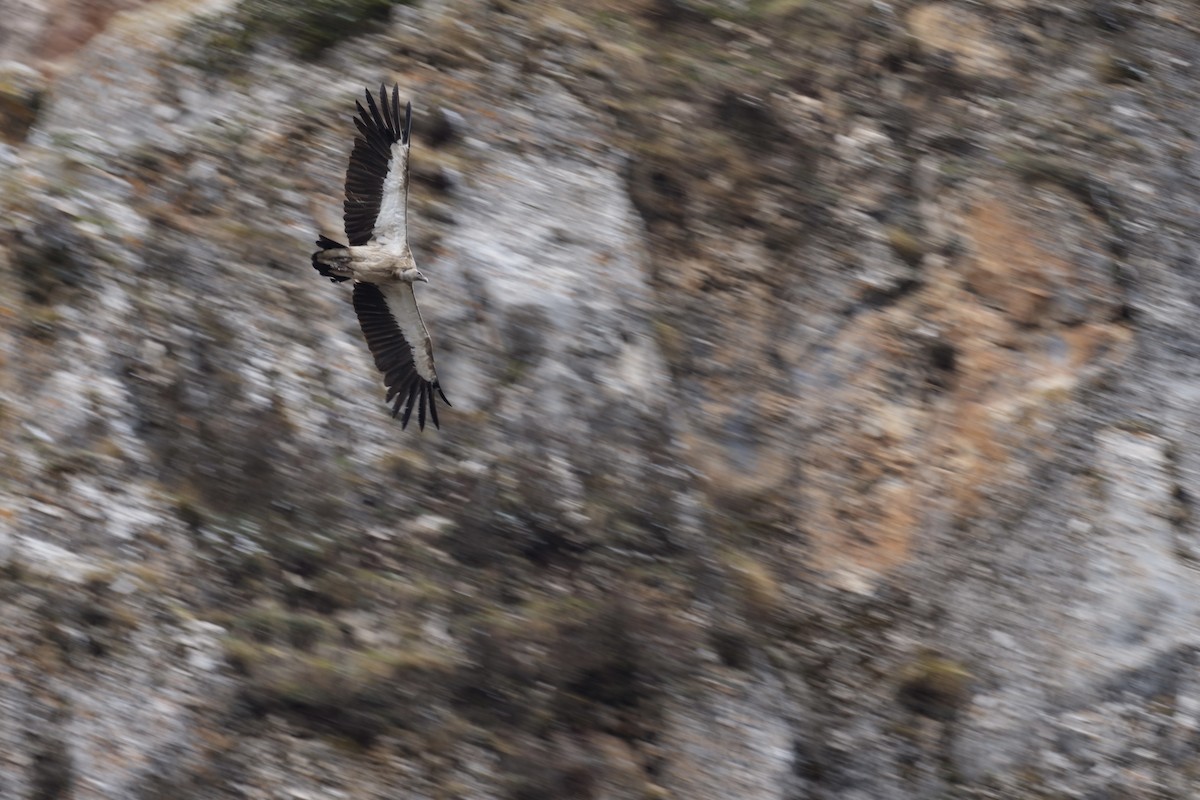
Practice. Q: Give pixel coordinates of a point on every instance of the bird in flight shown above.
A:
(377, 258)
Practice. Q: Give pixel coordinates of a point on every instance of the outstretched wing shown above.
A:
(376, 204)
(403, 351)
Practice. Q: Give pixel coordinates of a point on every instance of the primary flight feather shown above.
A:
(379, 260)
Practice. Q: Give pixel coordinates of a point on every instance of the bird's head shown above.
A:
(413, 275)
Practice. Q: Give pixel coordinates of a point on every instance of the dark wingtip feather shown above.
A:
(378, 118)
(407, 120)
(389, 109)
(408, 406)
(396, 113)
(433, 409)
(398, 387)
(385, 107)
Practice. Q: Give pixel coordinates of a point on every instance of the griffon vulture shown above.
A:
(379, 261)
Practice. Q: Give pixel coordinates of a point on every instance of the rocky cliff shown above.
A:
(824, 381)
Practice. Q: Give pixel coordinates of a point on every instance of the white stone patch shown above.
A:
(127, 522)
(202, 641)
(255, 373)
(45, 558)
(1142, 601)
(430, 525)
(556, 235)
(37, 433)
(64, 400)
(731, 743)
(115, 300)
(126, 513)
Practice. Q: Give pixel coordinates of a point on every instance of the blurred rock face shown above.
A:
(823, 381)
(47, 32)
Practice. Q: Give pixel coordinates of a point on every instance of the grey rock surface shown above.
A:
(824, 421)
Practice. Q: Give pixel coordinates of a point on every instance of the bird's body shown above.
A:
(379, 262)
(371, 263)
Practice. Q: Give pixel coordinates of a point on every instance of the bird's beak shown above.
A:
(423, 279)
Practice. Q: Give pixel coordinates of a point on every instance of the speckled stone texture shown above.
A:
(824, 382)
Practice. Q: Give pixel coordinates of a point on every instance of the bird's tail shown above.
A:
(326, 243)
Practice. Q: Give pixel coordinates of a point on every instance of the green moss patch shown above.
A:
(356, 694)
(310, 27)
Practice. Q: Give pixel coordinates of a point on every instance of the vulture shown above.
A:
(378, 260)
